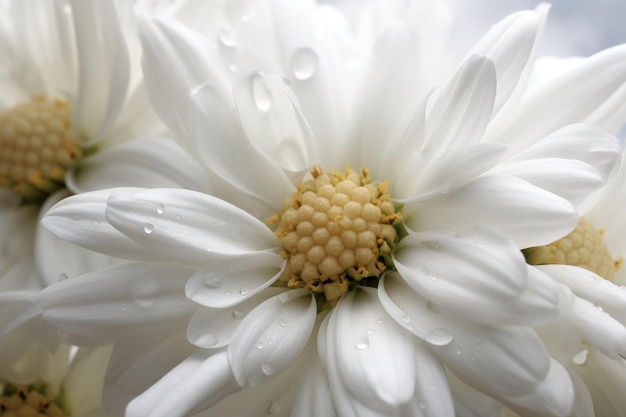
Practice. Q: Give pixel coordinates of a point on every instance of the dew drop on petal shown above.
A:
(432, 307)
(282, 322)
(243, 292)
(124, 309)
(266, 368)
(363, 343)
(212, 281)
(62, 276)
(304, 63)
(205, 339)
(405, 319)
(432, 244)
(160, 209)
(423, 404)
(148, 228)
(581, 357)
(260, 345)
(74, 216)
(237, 314)
(439, 337)
(260, 93)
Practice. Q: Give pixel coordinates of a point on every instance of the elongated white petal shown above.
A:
(553, 396)
(273, 121)
(139, 362)
(375, 358)
(85, 379)
(586, 284)
(103, 67)
(150, 162)
(463, 109)
(272, 336)
(200, 381)
(497, 360)
(81, 220)
(593, 103)
(511, 45)
(461, 272)
(120, 301)
(229, 282)
(187, 225)
(468, 402)
(213, 328)
(525, 213)
(314, 397)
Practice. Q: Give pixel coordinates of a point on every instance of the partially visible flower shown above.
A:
(66, 382)
(368, 283)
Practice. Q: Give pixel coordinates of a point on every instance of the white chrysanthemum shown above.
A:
(367, 281)
(37, 383)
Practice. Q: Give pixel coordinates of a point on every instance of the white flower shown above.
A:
(367, 288)
(39, 383)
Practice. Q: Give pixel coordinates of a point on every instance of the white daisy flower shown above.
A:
(323, 290)
(38, 383)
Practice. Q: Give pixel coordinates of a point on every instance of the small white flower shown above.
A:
(369, 283)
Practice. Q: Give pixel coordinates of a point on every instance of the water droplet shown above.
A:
(458, 351)
(205, 339)
(379, 321)
(363, 343)
(405, 319)
(371, 332)
(283, 297)
(232, 67)
(304, 63)
(260, 93)
(243, 292)
(74, 216)
(439, 337)
(581, 357)
(287, 82)
(432, 244)
(282, 322)
(95, 223)
(144, 290)
(212, 281)
(275, 407)
(124, 309)
(160, 209)
(62, 276)
(227, 39)
(237, 314)
(260, 345)
(423, 404)
(432, 307)
(267, 369)
(148, 228)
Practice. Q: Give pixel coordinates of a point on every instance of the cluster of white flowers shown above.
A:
(270, 208)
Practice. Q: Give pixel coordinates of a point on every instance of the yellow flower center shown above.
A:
(29, 401)
(337, 230)
(37, 146)
(584, 247)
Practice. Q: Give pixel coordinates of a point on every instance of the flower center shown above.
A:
(584, 247)
(32, 400)
(37, 146)
(337, 231)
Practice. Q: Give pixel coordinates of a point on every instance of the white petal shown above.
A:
(375, 358)
(200, 381)
(213, 328)
(553, 396)
(600, 93)
(187, 225)
(272, 336)
(120, 301)
(586, 284)
(149, 162)
(526, 214)
(314, 397)
(81, 220)
(273, 121)
(229, 282)
(138, 363)
(103, 67)
(461, 112)
(497, 360)
(511, 45)
(468, 402)
(460, 272)
(85, 378)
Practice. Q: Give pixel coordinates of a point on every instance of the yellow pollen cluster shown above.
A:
(337, 229)
(584, 247)
(19, 401)
(37, 146)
